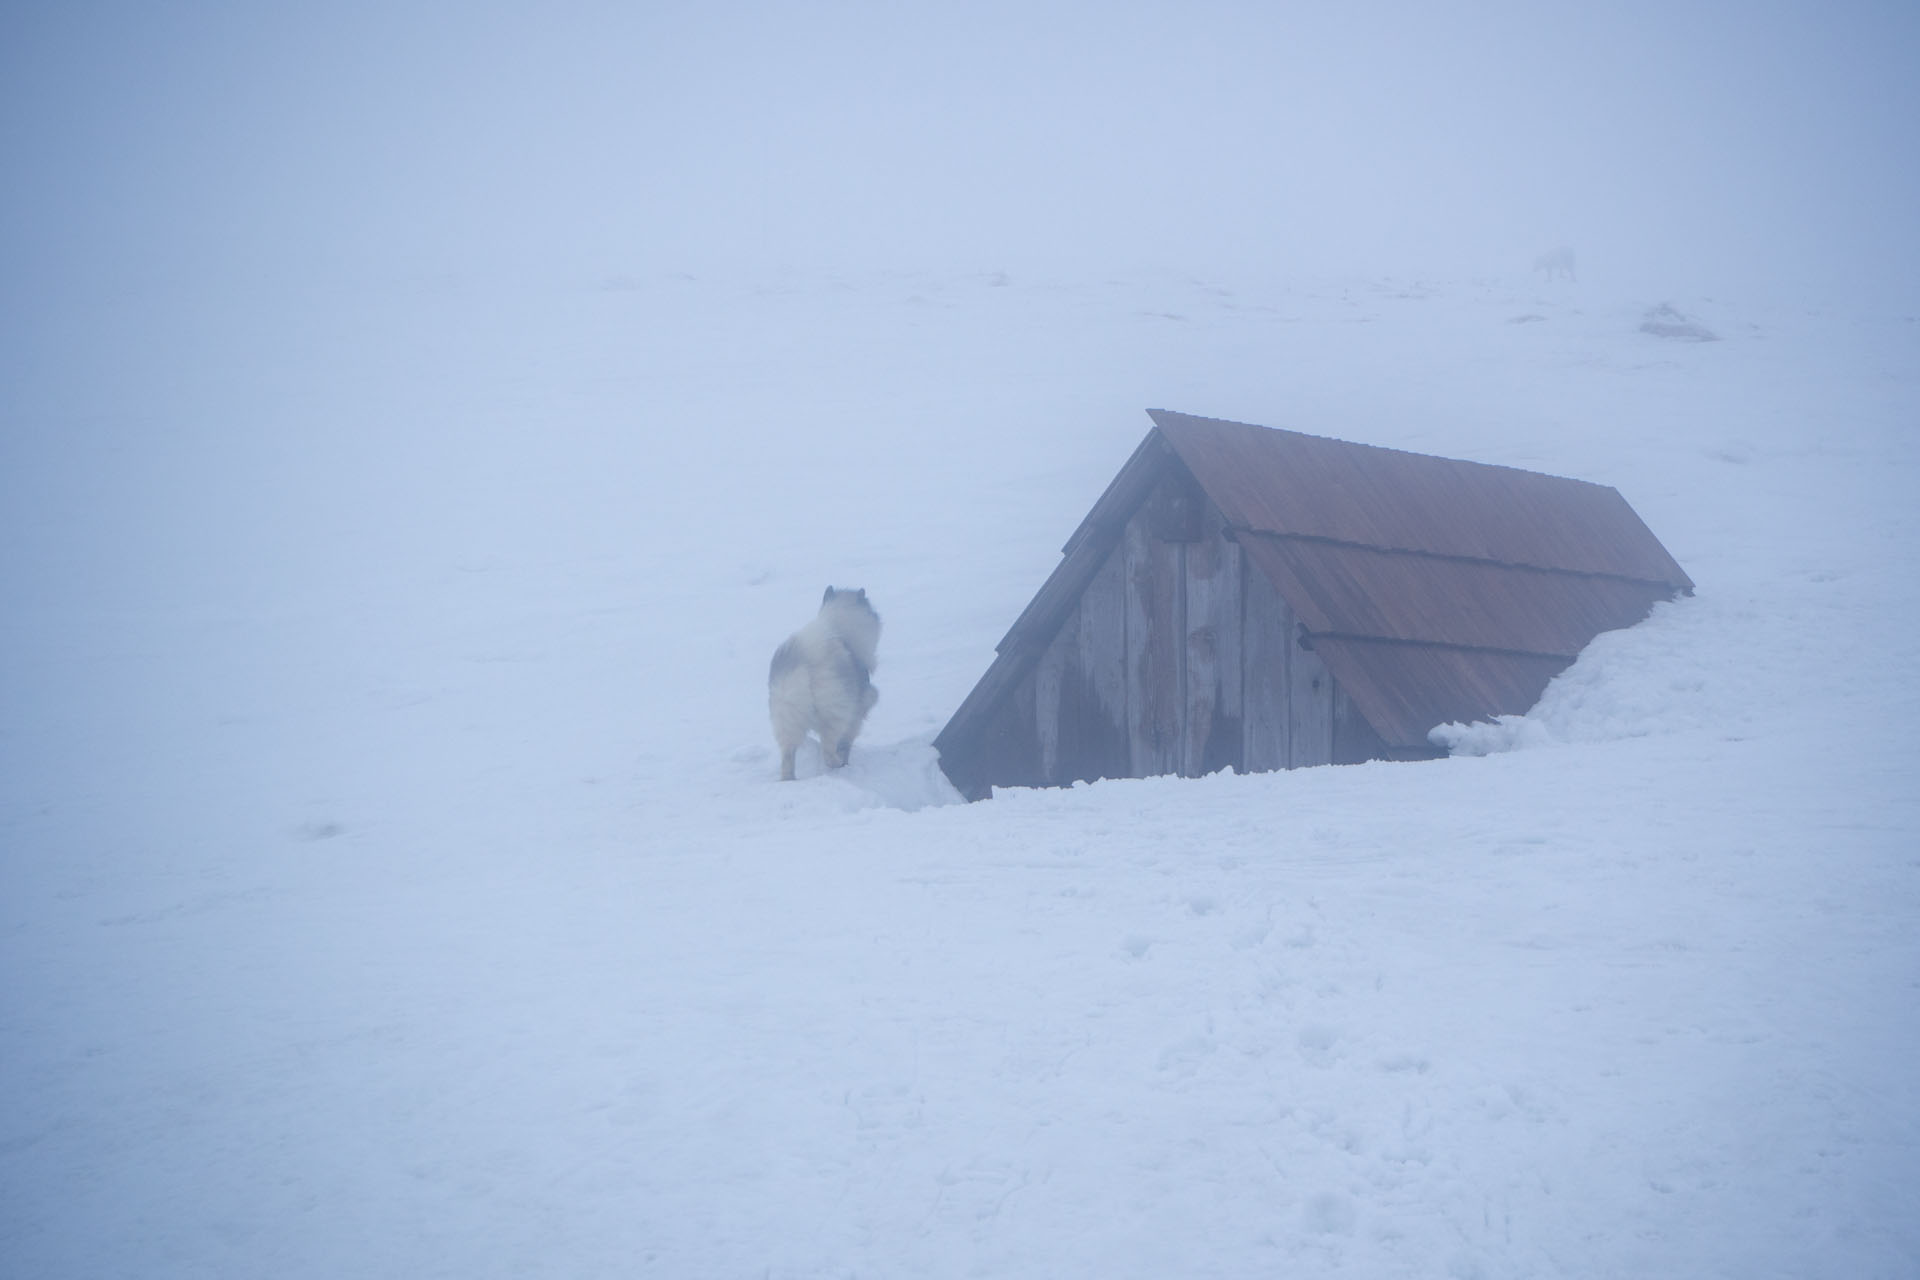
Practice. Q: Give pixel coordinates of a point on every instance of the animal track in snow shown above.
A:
(1329, 1213)
(1249, 936)
(1318, 1045)
(1185, 1057)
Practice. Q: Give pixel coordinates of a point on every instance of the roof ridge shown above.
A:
(1157, 414)
(1291, 483)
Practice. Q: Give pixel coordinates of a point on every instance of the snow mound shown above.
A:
(1666, 321)
(903, 775)
(1633, 683)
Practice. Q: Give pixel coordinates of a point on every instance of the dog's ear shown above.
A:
(827, 598)
(863, 595)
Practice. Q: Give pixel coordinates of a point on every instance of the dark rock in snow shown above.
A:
(1664, 321)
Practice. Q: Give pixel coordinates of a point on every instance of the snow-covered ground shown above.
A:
(394, 880)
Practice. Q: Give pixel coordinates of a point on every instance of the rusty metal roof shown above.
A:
(1301, 486)
(1434, 589)
(1474, 604)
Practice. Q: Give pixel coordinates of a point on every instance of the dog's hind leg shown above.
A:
(836, 734)
(868, 696)
(788, 705)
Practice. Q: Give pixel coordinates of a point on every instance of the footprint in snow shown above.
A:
(1250, 936)
(1318, 1045)
(1184, 1058)
(1329, 1214)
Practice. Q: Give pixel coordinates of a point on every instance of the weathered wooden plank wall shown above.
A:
(1354, 740)
(1050, 677)
(1006, 752)
(1179, 657)
(1156, 655)
(1212, 738)
(1100, 741)
(1080, 691)
(1266, 646)
(1309, 707)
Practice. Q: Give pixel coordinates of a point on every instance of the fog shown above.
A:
(1697, 146)
(420, 423)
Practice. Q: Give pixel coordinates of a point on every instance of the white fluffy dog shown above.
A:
(822, 679)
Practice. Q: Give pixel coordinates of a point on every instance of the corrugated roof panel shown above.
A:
(1404, 690)
(1290, 483)
(1359, 591)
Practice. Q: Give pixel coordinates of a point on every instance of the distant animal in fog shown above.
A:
(1556, 264)
(822, 679)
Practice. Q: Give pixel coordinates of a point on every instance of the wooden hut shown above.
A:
(1264, 599)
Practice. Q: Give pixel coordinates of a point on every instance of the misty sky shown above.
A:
(1697, 144)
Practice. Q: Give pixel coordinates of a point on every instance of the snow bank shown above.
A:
(1654, 678)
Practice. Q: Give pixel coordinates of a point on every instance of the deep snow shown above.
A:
(396, 882)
